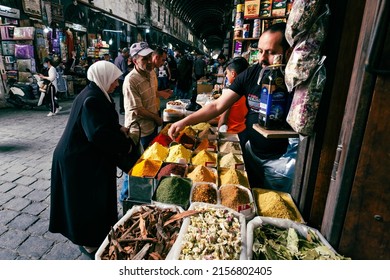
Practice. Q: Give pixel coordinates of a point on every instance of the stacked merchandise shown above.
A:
(18, 52)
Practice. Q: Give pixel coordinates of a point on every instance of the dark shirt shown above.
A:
(246, 84)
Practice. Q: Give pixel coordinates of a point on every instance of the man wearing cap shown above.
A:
(121, 63)
(139, 90)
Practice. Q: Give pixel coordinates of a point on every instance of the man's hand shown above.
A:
(125, 131)
(175, 129)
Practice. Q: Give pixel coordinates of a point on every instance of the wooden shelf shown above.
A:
(275, 133)
(245, 39)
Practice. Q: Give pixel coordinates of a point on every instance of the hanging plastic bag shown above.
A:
(304, 106)
(307, 53)
(302, 15)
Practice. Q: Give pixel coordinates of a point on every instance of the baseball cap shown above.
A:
(141, 48)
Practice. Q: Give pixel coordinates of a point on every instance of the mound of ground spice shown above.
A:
(230, 147)
(204, 193)
(271, 204)
(146, 168)
(172, 168)
(178, 152)
(174, 190)
(163, 139)
(156, 151)
(233, 196)
(186, 140)
(233, 176)
(205, 158)
(189, 131)
(201, 126)
(230, 160)
(202, 174)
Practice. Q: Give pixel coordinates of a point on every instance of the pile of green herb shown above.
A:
(174, 190)
(273, 243)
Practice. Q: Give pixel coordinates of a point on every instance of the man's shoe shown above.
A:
(51, 114)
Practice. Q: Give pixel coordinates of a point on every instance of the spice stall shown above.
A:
(199, 182)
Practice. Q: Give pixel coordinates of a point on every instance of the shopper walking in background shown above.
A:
(199, 67)
(159, 58)
(121, 63)
(51, 87)
(184, 79)
(83, 176)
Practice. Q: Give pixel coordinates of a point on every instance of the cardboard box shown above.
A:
(252, 9)
(204, 88)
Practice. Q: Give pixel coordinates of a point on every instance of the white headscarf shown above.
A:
(103, 74)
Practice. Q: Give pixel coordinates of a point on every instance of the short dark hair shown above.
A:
(221, 56)
(160, 51)
(47, 59)
(237, 64)
(279, 27)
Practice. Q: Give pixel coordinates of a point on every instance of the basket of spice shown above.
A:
(283, 239)
(230, 147)
(233, 176)
(205, 192)
(238, 198)
(214, 233)
(270, 203)
(200, 173)
(173, 190)
(231, 160)
(205, 158)
(144, 232)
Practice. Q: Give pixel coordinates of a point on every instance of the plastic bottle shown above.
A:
(273, 96)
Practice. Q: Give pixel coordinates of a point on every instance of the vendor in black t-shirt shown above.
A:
(271, 42)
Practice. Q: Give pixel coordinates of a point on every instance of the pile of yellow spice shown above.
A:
(156, 152)
(177, 153)
(146, 168)
(202, 174)
(233, 176)
(205, 158)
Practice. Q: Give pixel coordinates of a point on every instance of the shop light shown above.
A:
(147, 30)
(110, 41)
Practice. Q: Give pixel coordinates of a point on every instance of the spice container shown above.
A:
(276, 204)
(177, 104)
(205, 192)
(154, 227)
(156, 151)
(216, 233)
(178, 153)
(205, 158)
(200, 173)
(228, 137)
(231, 160)
(239, 199)
(230, 147)
(145, 168)
(233, 176)
(318, 247)
(172, 169)
(173, 190)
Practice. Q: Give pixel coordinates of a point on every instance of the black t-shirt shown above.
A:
(246, 84)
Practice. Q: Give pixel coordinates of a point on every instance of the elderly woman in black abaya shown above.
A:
(83, 178)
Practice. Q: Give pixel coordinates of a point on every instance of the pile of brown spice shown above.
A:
(202, 174)
(233, 196)
(204, 193)
(233, 176)
(230, 160)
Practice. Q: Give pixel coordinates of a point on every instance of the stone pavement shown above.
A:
(27, 141)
